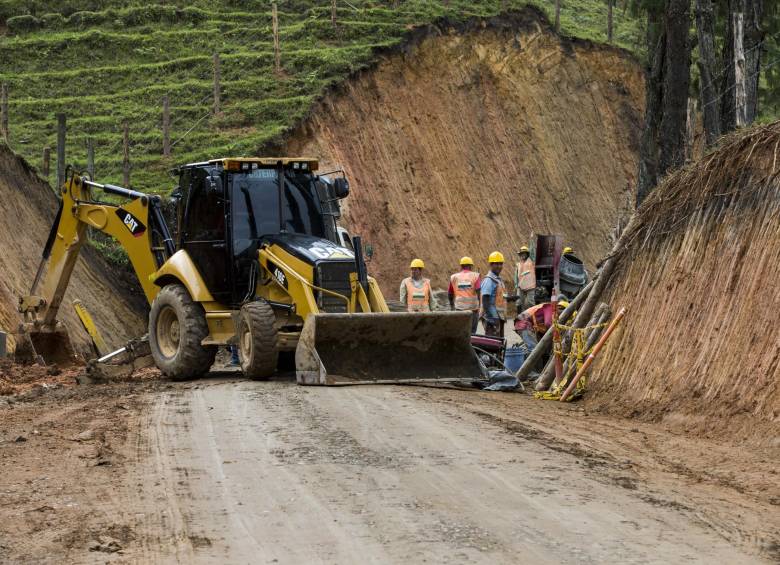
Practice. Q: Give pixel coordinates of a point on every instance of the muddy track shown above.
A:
(225, 470)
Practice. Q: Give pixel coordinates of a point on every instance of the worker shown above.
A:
(493, 293)
(415, 290)
(525, 280)
(534, 322)
(464, 291)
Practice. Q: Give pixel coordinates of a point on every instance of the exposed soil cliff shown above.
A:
(27, 208)
(474, 137)
(700, 347)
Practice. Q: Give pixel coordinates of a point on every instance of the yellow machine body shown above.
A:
(341, 336)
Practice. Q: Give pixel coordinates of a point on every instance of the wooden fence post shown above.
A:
(46, 162)
(4, 111)
(61, 126)
(91, 158)
(277, 53)
(217, 89)
(166, 126)
(126, 156)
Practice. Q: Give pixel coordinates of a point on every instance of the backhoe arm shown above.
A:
(132, 225)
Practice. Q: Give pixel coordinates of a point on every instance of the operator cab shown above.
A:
(227, 208)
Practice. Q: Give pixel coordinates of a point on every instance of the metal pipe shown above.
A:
(113, 189)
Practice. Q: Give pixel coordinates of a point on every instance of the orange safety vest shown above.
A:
(464, 286)
(526, 275)
(500, 296)
(538, 325)
(418, 299)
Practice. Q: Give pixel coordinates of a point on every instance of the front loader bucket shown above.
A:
(377, 348)
(49, 345)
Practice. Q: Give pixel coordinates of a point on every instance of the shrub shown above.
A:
(83, 20)
(53, 21)
(20, 24)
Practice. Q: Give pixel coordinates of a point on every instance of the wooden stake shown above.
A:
(557, 16)
(333, 12)
(217, 90)
(166, 126)
(91, 158)
(4, 111)
(277, 52)
(610, 21)
(589, 361)
(61, 127)
(126, 156)
(46, 162)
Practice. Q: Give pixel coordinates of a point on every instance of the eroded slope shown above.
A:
(473, 138)
(27, 208)
(700, 347)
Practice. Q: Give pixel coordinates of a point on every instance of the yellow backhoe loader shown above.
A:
(255, 261)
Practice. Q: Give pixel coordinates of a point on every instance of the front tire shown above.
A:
(257, 348)
(177, 326)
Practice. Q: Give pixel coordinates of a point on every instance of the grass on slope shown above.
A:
(106, 62)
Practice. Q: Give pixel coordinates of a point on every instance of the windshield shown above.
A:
(255, 206)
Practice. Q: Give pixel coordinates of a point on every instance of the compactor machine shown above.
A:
(256, 261)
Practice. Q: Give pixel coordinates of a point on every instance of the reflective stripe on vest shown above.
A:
(526, 275)
(464, 286)
(418, 299)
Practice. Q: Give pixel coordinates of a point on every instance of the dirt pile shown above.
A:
(27, 208)
(700, 347)
(476, 135)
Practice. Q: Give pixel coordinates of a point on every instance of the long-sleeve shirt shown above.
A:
(417, 284)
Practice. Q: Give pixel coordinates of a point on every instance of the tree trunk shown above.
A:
(558, 16)
(728, 114)
(708, 70)
(648, 152)
(753, 37)
(610, 20)
(677, 77)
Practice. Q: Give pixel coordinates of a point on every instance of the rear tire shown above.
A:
(257, 340)
(177, 325)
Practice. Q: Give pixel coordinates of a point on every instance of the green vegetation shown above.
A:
(110, 61)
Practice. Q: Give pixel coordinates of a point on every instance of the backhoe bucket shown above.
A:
(380, 348)
(46, 345)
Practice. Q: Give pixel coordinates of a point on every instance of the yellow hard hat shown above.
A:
(563, 303)
(523, 249)
(496, 257)
(466, 261)
(417, 264)
(567, 250)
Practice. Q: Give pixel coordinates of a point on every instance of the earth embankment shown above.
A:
(474, 136)
(27, 209)
(700, 347)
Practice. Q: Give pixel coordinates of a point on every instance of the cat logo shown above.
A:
(131, 222)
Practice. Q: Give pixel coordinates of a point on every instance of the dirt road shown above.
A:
(232, 471)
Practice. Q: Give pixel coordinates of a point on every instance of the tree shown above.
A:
(663, 137)
(709, 67)
(742, 63)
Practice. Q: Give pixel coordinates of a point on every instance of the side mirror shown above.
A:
(341, 187)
